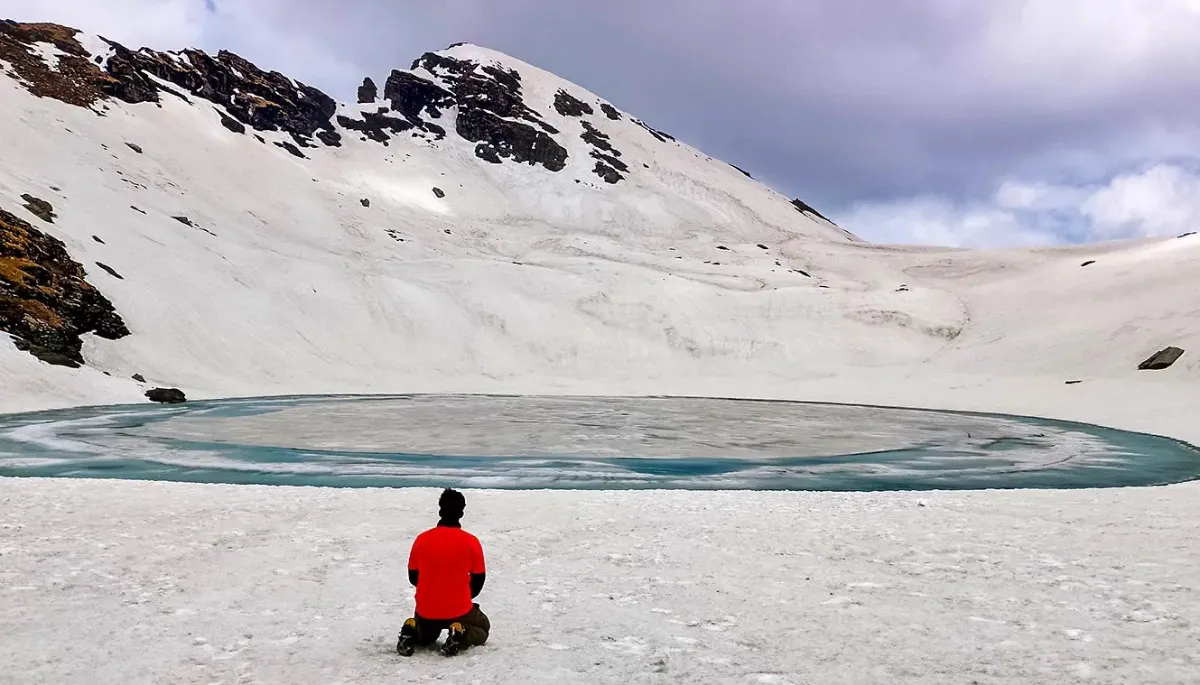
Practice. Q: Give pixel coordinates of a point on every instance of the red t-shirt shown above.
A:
(445, 558)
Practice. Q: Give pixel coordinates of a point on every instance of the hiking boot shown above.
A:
(407, 643)
(456, 639)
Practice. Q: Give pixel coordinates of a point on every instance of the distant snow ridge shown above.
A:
(477, 89)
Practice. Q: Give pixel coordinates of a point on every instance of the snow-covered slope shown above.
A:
(479, 224)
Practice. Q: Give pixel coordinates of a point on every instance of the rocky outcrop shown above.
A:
(73, 79)
(166, 395)
(45, 302)
(570, 106)
(265, 101)
(660, 135)
(803, 207)
(491, 109)
(498, 138)
(610, 112)
(1161, 359)
(39, 208)
(368, 92)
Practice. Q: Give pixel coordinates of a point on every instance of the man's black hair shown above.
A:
(451, 505)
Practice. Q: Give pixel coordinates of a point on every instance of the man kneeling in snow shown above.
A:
(446, 566)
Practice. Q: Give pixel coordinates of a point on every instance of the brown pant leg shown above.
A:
(429, 630)
(477, 626)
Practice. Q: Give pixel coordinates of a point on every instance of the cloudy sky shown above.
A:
(962, 122)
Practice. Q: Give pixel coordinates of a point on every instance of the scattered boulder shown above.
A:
(763, 247)
(39, 208)
(439, 193)
(1088, 262)
(368, 92)
(166, 395)
(111, 271)
(295, 151)
(135, 148)
(139, 378)
(1161, 359)
(97, 239)
(610, 111)
(184, 220)
(137, 209)
(722, 247)
(46, 303)
(902, 289)
(1073, 382)
(365, 202)
(232, 124)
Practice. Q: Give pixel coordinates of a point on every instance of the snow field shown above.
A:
(207, 584)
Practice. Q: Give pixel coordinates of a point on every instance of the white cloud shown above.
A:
(1160, 200)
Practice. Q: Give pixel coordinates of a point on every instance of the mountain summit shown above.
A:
(473, 222)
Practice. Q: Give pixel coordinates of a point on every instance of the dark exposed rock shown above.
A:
(902, 289)
(137, 209)
(509, 139)
(1187, 234)
(263, 100)
(610, 160)
(488, 153)
(439, 193)
(112, 272)
(1088, 262)
(291, 149)
(597, 139)
(802, 272)
(1161, 359)
(722, 247)
(166, 395)
(606, 172)
(365, 202)
(45, 301)
(39, 208)
(763, 247)
(747, 173)
(97, 239)
(375, 125)
(330, 138)
(184, 220)
(413, 96)
(75, 80)
(135, 148)
(610, 111)
(139, 378)
(570, 106)
(803, 207)
(660, 135)
(1074, 382)
(368, 92)
(232, 124)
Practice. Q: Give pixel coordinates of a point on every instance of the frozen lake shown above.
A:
(581, 443)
